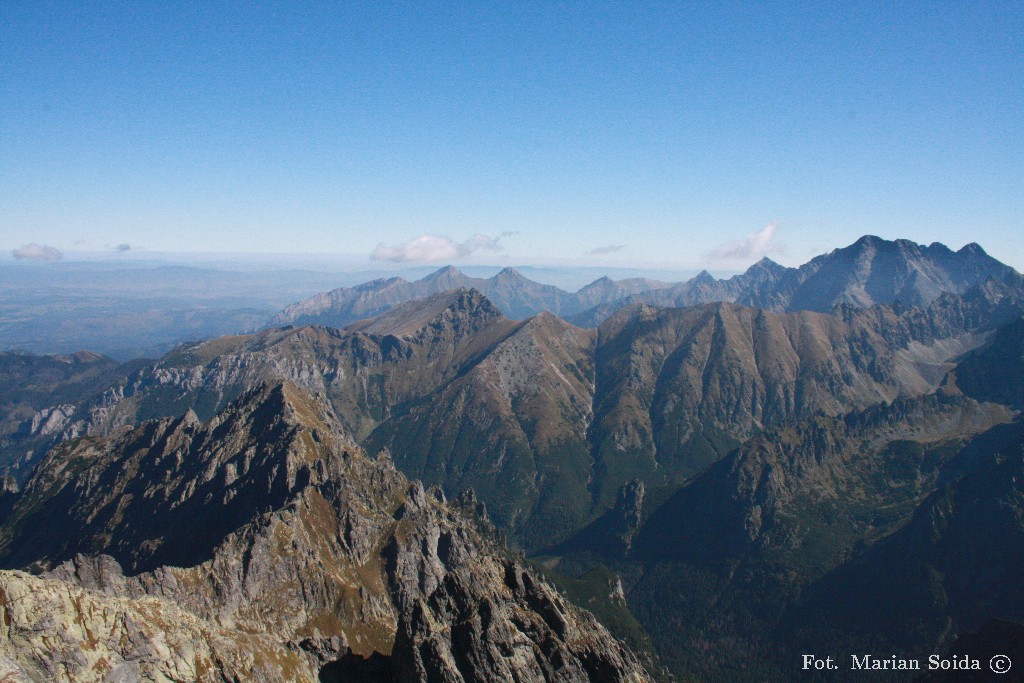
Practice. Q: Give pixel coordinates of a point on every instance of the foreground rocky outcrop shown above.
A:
(57, 631)
(265, 545)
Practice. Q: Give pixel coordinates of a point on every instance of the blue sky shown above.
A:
(659, 134)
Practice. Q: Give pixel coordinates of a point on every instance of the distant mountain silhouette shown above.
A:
(517, 296)
(869, 271)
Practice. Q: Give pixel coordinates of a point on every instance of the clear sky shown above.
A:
(670, 134)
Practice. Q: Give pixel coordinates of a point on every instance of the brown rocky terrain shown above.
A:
(545, 420)
(266, 541)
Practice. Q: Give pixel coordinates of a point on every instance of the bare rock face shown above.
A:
(56, 631)
(628, 514)
(295, 557)
(465, 616)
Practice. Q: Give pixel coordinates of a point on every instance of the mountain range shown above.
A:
(466, 397)
(727, 473)
(870, 271)
(517, 296)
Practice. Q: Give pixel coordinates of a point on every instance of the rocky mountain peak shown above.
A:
(972, 249)
(600, 284)
(510, 275)
(463, 300)
(873, 270)
(868, 241)
(459, 307)
(766, 266)
(703, 278)
(442, 272)
(869, 247)
(294, 557)
(448, 277)
(172, 489)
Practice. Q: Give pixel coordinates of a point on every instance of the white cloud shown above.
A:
(37, 252)
(436, 248)
(609, 249)
(753, 246)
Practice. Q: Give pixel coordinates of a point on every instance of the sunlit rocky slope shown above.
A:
(265, 545)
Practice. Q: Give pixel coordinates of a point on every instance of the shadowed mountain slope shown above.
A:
(740, 548)
(40, 381)
(995, 372)
(893, 528)
(513, 427)
(38, 395)
(954, 567)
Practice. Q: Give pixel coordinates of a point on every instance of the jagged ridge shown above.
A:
(279, 527)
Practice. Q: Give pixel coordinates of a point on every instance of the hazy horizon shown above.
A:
(346, 272)
(356, 263)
